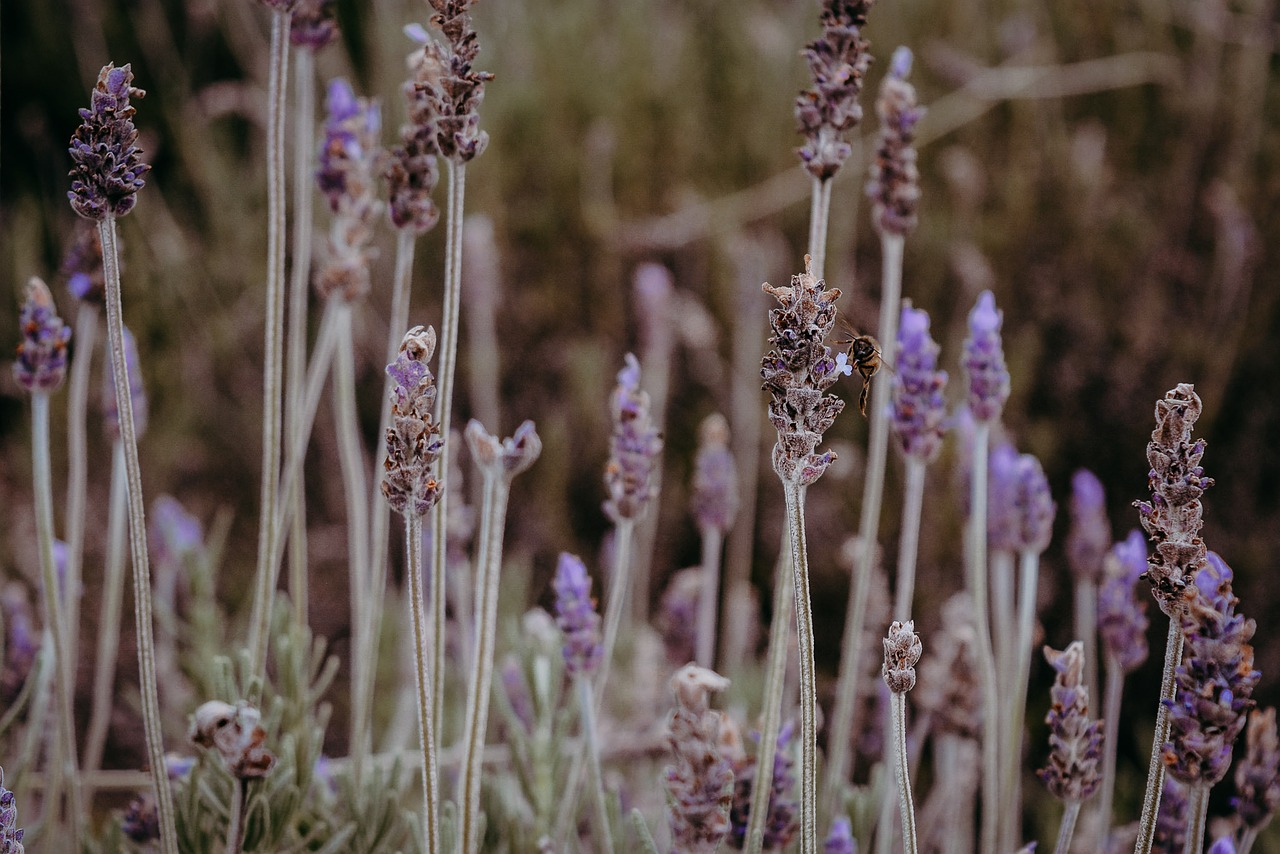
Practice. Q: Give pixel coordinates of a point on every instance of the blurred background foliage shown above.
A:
(1109, 169)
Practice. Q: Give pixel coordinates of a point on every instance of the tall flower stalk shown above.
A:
(107, 175)
(902, 650)
(797, 373)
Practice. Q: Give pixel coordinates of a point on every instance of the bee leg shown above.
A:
(862, 398)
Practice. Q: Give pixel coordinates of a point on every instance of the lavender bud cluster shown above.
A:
(507, 457)
(919, 407)
(1122, 616)
(840, 840)
(1034, 505)
(633, 448)
(902, 650)
(700, 782)
(1215, 681)
(141, 820)
(984, 360)
(1171, 820)
(456, 94)
(677, 618)
(950, 691)
(783, 820)
(314, 24)
(236, 733)
(413, 439)
(82, 265)
(10, 833)
(715, 479)
(1176, 480)
(1090, 534)
(21, 641)
(137, 393)
(1004, 522)
(346, 175)
(576, 615)
(1258, 772)
(894, 184)
(1074, 771)
(42, 352)
(797, 372)
(412, 171)
(108, 167)
(837, 61)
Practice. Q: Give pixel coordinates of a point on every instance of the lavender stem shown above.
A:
(898, 707)
(794, 495)
(1197, 814)
(235, 824)
(423, 681)
(977, 572)
(1086, 620)
(1155, 771)
(819, 216)
(1068, 827)
(909, 539)
(1028, 582)
(709, 599)
(104, 676)
(85, 339)
(1111, 719)
(771, 712)
(586, 705)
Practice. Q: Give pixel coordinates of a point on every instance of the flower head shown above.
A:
(457, 92)
(137, 393)
(21, 641)
(1171, 820)
(507, 457)
(1074, 771)
(677, 618)
(413, 439)
(141, 821)
(840, 840)
(1122, 616)
(10, 833)
(633, 449)
(1034, 505)
(1258, 772)
(346, 177)
(42, 352)
(576, 616)
(950, 689)
(902, 650)
(175, 533)
(984, 360)
(797, 372)
(837, 61)
(782, 822)
(919, 408)
(715, 479)
(700, 781)
(1090, 535)
(314, 24)
(108, 168)
(1004, 521)
(412, 172)
(82, 264)
(894, 183)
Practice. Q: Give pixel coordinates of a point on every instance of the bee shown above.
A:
(863, 354)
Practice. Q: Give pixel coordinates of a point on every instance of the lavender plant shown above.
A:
(1073, 773)
(10, 834)
(700, 782)
(1257, 777)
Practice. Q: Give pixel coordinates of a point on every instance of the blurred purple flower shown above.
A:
(346, 176)
(175, 533)
(894, 182)
(984, 360)
(1122, 616)
(840, 840)
(1034, 505)
(137, 392)
(781, 824)
(633, 448)
(715, 479)
(700, 781)
(837, 61)
(42, 352)
(22, 640)
(1171, 819)
(1004, 522)
(82, 264)
(919, 407)
(577, 617)
(1090, 534)
(314, 24)
(1258, 771)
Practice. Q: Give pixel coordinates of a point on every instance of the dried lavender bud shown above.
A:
(1075, 743)
(457, 93)
(700, 781)
(21, 641)
(919, 408)
(412, 172)
(894, 183)
(137, 393)
(174, 533)
(507, 457)
(797, 372)
(677, 618)
(314, 24)
(1176, 480)
(783, 821)
(1090, 535)
(1215, 681)
(346, 177)
(82, 265)
(1122, 616)
(840, 840)
(413, 440)
(1258, 772)
(633, 448)
(1004, 519)
(902, 650)
(108, 166)
(1171, 820)
(1034, 504)
(577, 617)
(950, 690)
(984, 360)
(42, 352)
(141, 821)
(10, 833)
(837, 61)
(236, 733)
(715, 479)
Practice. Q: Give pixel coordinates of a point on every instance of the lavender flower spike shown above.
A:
(42, 352)
(715, 480)
(1090, 535)
(840, 840)
(1122, 616)
(984, 360)
(456, 94)
(919, 407)
(782, 820)
(902, 650)
(82, 265)
(837, 60)
(413, 440)
(1034, 505)
(507, 457)
(1004, 519)
(138, 394)
(108, 166)
(412, 172)
(10, 833)
(894, 183)
(700, 782)
(314, 24)
(1075, 742)
(633, 449)
(797, 373)
(346, 177)
(577, 617)
(1258, 772)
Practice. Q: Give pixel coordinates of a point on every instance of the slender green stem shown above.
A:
(488, 565)
(296, 340)
(1011, 797)
(586, 703)
(709, 599)
(104, 675)
(775, 678)
(1003, 621)
(1111, 724)
(422, 679)
(1248, 836)
(55, 615)
(840, 765)
(444, 408)
(909, 539)
(137, 543)
(1086, 619)
(1068, 827)
(1155, 771)
(77, 465)
(898, 703)
(819, 216)
(273, 368)
(235, 825)
(794, 495)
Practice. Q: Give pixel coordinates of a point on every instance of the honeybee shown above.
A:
(863, 354)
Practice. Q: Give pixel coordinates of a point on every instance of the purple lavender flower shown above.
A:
(1215, 681)
(1172, 517)
(700, 781)
(314, 24)
(781, 824)
(140, 821)
(577, 617)
(984, 360)
(178, 766)
(797, 372)
(633, 449)
(82, 265)
(22, 641)
(346, 177)
(412, 172)
(919, 408)
(1090, 535)
(1258, 771)
(715, 479)
(1122, 616)
(1222, 845)
(413, 439)
(837, 60)
(137, 393)
(516, 690)
(108, 166)
(950, 691)
(42, 352)
(10, 833)
(1035, 507)
(840, 840)
(677, 618)
(1171, 819)
(894, 183)
(902, 650)
(1075, 743)
(1004, 521)
(175, 533)
(457, 92)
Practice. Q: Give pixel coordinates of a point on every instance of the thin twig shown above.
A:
(1155, 771)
